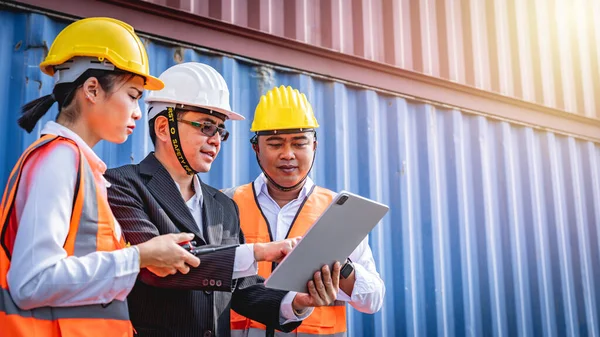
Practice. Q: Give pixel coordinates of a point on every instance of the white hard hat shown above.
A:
(191, 84)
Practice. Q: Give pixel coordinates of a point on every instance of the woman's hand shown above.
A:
(163, 255)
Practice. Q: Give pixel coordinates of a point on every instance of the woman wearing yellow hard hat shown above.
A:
(65, 269)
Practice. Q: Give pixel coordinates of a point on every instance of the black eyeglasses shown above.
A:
(208, 128)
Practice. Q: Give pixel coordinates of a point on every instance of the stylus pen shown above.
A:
(206, 250)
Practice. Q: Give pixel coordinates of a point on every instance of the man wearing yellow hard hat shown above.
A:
(65, 269)
(284, 202)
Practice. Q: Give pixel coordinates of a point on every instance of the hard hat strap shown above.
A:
(283, 188)
(176, 142)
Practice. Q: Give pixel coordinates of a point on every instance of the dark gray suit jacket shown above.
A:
(147, 203)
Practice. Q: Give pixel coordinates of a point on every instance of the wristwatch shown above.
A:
(347, 269)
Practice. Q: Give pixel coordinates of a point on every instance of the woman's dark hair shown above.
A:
(63, 94)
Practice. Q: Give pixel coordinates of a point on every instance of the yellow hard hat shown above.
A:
(283, 108)
(104, 38)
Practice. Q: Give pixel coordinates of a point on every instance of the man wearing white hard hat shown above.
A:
(163, 194)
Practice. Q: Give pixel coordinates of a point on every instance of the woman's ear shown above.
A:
(91, 89)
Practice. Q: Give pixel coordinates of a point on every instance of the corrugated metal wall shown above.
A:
(544, 51)
(493, 228)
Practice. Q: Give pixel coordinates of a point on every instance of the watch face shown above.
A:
(346, 270)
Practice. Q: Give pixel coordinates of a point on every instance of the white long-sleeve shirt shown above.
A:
(41, 273)
(369, 289)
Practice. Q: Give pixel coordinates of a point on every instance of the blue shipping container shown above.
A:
(493, 227)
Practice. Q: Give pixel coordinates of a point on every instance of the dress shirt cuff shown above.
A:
(244, 264)
(286, 311)
(361, 285)
(127, 268)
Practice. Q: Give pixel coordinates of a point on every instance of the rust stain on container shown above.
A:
(178, 55)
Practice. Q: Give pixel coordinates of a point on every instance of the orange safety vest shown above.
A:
(324, 321)
(92, 228)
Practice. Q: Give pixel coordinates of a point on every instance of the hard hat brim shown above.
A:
(230, 114)
(153, 83)
(286, 130)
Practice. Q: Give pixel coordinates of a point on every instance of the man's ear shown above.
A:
(315, 143)
(254, 142)
(161, 128)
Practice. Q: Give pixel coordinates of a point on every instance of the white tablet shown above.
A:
(333, 237)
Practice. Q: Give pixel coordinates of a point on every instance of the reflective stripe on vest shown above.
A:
(92, 228)
(324, 321)
(118, 310)
(252, 332)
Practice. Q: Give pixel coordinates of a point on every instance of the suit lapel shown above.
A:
(165, 191)
(213, 217)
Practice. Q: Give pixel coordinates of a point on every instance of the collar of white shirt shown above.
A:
(197, 199)
(260, 186)
(53, 128)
